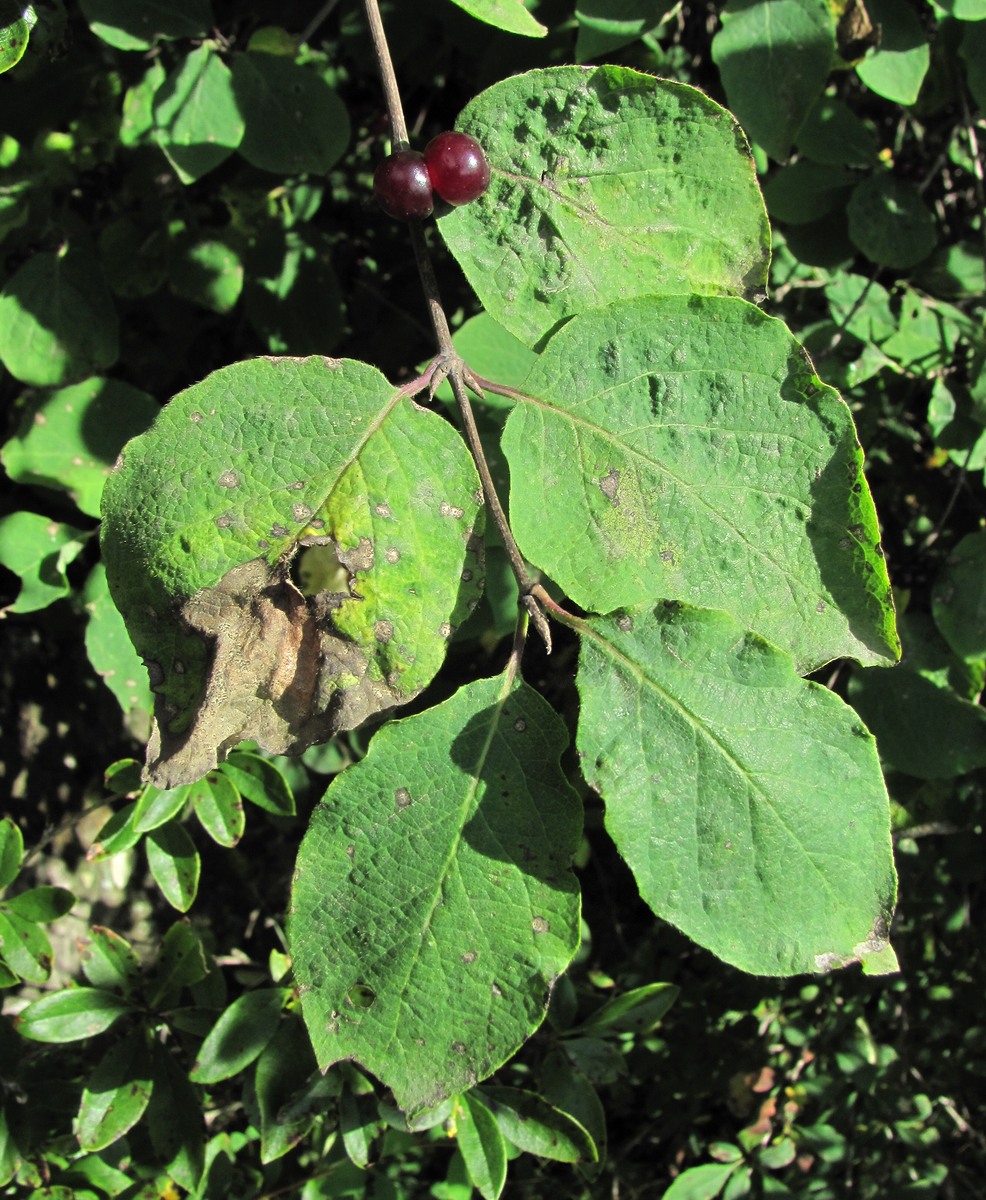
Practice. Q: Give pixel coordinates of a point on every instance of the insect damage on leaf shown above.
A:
(280, 675)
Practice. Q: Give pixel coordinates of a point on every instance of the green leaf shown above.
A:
(834, 134)
(682, 447)
(219, 808)
(896, 68)
(109, 961)
(155, 807)
(138, 24)
(493, 353)
(71, 1015)
(11, 851)
(40, 904)
(137, 124)
(359, 1117)
(175, 1120)
(295, 122)
(70, 439)
(38, 550)
(532, 1124)
(598, 179)
(774, 57)
(259, 781)
(509, 15)
(122, 778)
(57, 319)
(206, 271)
(240, 1034)
(748, 803)
(283, 1070)
(198, 121)
(923, 726)
(14, 36)
(116, 1093)
(890, 222)
(972, 51)
(481, 1145)
(114, 659)
(806, 190)
(965, 10)
(959, 598)
(292, 296)
(181, 964)
(433, 904)
(174, 863)
(117, 835)
(286, 453)
(704, 1182)
(25, 947)
(635, 1011)
(608, 25)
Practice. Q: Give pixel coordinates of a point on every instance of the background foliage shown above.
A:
(202, 231)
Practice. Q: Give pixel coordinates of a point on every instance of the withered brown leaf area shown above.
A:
(280, 675)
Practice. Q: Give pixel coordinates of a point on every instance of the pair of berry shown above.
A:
(453, 165)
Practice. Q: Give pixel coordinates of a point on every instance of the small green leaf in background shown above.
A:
(258, 780)
(896, 67)
(174, 863)
(40, 904)
(598, 174)
(11, 851)
(890, 222)
(481, 1145)
(295, 122)
(138, 24)
(640, 424)
(69, 439)
(25, 947)
(240, 1034)
(155, 807)
(922, 715)
(58, 322)
(109, 961)
(15, 32)
(208, 272)
(509, 15)
(608, 25)
(283, 1069)
(174, 1120)
(181, 964)
(807, 190)
(774, 57)
(198, 123)
(704, 1182)
(433, 894)
(635, 1011)
(38, 550)
(531, 1124)
(219, 808)
(835, 135)
(71, 1015)
(359, 1116)
(116, 1093)
(117, 835)
(292, 295)
(959, 598)
(748, 803)
(972, 51)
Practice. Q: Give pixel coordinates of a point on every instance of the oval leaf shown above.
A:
(116, 1093)
(174, 863)
(219, 808)
(531, 1124)
(605, 184)
(748, 803)
(631, 476)
(71, 1015)
(433, 901)
(41, 904)
(11, 851)
(240, 1034)
(108, 960)
(481, 1145)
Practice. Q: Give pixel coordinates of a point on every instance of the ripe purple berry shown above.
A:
(457, 166)
(402, 186)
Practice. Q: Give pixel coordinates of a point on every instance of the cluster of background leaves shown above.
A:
(195, 244)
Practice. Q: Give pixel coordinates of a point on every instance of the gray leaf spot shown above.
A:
(495, 990)
(155, 672)
(540, 925)
(297, 486)
(520, 724)
(224, 521)
(350, 851)
(624, 624)
(466, 576)
(278, 531)
(459, 1047)
(469, 957)
(383, 510)
(360, 558)
(609, 485)
(392, 555)
(229, 479)
(263, 544)
(195, 418)
(383, 631)
(402, 797)
(178, 667)
(446, 630)
(300, 512)
(450, 510)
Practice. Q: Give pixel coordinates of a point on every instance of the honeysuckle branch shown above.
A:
(449, 363)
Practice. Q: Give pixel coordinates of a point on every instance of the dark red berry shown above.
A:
(402, 186)
(457, 166)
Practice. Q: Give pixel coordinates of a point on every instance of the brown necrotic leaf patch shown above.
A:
(280, 675)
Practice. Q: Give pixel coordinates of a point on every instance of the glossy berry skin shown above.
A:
(457, 166)
(402, 186)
